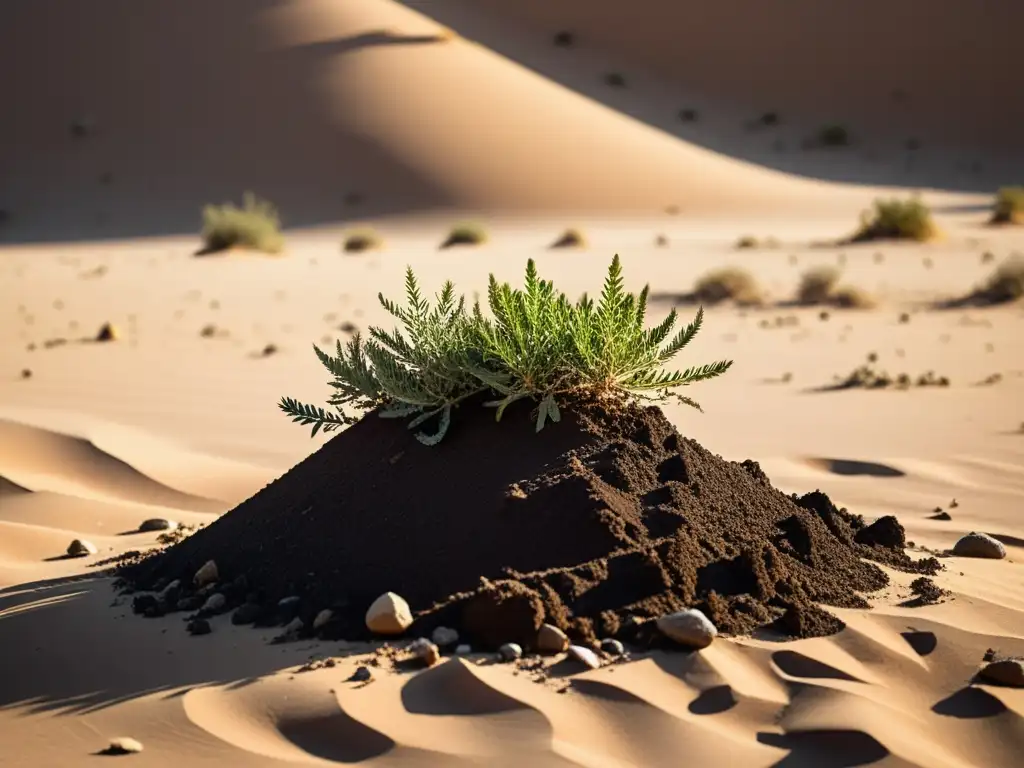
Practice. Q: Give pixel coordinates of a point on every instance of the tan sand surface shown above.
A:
(308, 102)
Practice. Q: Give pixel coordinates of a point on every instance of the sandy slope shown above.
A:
(308, 102)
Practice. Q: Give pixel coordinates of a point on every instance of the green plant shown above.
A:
(535, 345)
(728, 283)
(255, 225)
(363, 240)
(897, 219)
(1009, 206)
(465, 234)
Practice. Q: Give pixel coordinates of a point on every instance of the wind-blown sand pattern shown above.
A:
(416, 116)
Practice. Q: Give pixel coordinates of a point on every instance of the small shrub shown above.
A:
(728, 284)
(536, 345)
(896, 220)
(834, 136)
(465, 234)
(255, 225)
(849, 297)
(747, 241)
(1004, 285)
(364, 240)
(816, 285)
(571, 238)
(1009, 206)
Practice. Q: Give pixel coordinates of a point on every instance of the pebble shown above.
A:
(361, 675)
(1005, 672)
(389, 614)
(199, 627)
(550, 639)
(425, 651)
(123, 746)
(322, 619)
(445, 636)
(689, 627)
(215, 603)
(158, 524)
(976, 544)
(207, 574)
(510, 651)
(81, 548)
(585, 656)
(612, 647)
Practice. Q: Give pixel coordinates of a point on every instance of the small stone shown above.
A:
(123, 746)
(207, 574)
(585, 656)
(215, 603)
(689, 627)
(81, 548)
(143, 603)
(107, 332)
(510, 651)
(612, 647)
(389, 614)
(361, 675)
(550, 639)
(1004, 672)
(246, 614)
(199, 627)
(445, 636)
(157, 524)
(291, 630)
(425, 651)
(976, 544)
(289, 603)
(463, 650)
(322, 619)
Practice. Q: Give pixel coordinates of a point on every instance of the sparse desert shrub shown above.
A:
(728, 284)
(850, 297)
(816, 285)
(255, 225)
(833, 135)
(363, 240)
(1004, 285)
(747, 241)
(536, 345)
(465, 234)
(1009, 206)
(571, 238)
(896, 219)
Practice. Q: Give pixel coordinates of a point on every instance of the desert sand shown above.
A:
(414, 116)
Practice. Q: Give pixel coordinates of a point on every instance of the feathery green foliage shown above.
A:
(255, 225)
(534, 344)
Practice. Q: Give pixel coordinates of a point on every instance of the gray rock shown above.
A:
(510, 651)
(425, 651)
(207, 574)
(550, 639)
(199, 627)
(289, 603)
(81, 548)
(322, 619)
(123, 746)
(157, 524)
(389, 614)
(585, 656)
(463, 650)
(1004, 672)
(445, 636)
(976, 544)
(215, 603)
(612, 647)
(690, 628)
(246, 614)
(361, 675)
(291, 630)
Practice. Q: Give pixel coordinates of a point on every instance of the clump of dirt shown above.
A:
(926, 592)
(597, 525)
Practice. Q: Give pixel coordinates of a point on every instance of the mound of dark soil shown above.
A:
(596, 524)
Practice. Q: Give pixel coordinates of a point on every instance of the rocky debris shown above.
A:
(585, 656)
(885, 531)
(612, 647)
(157, 524)
(215, 603)
(361, 675)
(81, 548)
(926, 591)
(689, 627)
(1004, 672)
(941, 514)
(198, 627)
(510, 651)
(322, 619)
(26, 373)
(389, 614)
(208, 574)
(550, 639)
(981, 545)
(425, 651)
(288, 608)
(444, 636)
(123, 745)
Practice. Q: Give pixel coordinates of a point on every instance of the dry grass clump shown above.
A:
(1009, 206)
(896, 220)
(1004, 285)
(571, 238)
(256, 225)
(465, 234)
(728, 284)
(819, 285)
(363, 240)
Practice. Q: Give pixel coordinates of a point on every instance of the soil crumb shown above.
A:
(603, 521)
